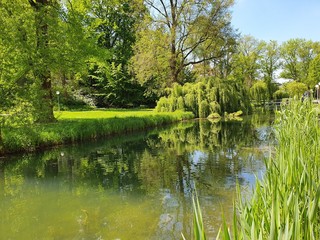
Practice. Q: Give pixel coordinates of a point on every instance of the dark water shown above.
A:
(133, 187)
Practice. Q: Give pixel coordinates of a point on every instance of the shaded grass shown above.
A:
(80, 126)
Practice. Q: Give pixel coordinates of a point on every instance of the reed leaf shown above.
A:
(285, 203)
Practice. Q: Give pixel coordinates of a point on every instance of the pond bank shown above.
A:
(70, 130)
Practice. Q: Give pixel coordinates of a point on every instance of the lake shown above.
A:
(137, 186)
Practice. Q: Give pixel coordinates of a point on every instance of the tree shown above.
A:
(295, 88)
(151, 59)
(49, 40)
(269, 64)
(314, 72)
(259, 91)
(46, 18)
(297, 55)
(245, 62)
(207, 96)
(16, 44)
(115, 23)
(188, 27)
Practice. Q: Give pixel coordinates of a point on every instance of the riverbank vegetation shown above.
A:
(78, 126)
(78, 54)
(286, 203)
(176, 56)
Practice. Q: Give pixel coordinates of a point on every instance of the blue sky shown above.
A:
(278, 20)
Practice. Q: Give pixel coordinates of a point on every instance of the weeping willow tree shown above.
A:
(206, 97)
(259, 92)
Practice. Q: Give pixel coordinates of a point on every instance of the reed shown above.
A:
(285, 204)
(74, 127)
(198, 226)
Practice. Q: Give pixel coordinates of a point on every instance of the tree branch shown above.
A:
(165, 14)
(201, 60)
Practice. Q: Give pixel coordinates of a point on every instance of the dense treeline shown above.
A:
(123, 53)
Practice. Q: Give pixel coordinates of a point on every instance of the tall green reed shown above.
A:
(285, 204)
(198, 226)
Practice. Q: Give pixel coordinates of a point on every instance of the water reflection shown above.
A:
(136, 186)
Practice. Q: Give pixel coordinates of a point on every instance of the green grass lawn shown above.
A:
(83, 125)
(108, 113)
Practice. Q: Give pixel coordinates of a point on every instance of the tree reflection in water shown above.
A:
(133, 186)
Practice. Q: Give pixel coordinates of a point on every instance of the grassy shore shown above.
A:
(79, 126)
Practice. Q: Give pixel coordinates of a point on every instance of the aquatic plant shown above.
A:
(198, 226)
(285, 204)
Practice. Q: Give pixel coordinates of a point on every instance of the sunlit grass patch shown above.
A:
(80, 126)
(108, 113)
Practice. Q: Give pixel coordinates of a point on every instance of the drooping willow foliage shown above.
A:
(259, 92)
(209, 96)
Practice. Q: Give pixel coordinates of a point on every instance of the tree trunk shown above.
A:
(173, 60)
(2, 179)
(45, 105)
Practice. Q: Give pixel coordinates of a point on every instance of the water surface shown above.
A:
(137, 186)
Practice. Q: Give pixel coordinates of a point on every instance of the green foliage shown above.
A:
(198, 226)
(110, 81)
(280, 94)
(167, 41)
(204, 109)
(150, 61)
(270, 63)
(259, 91)
(295, 88)
(49, 41)
(79, 126)
(246, 60)
(215, 107)
(285, 204)
(206, 97)
(214, 115)
(314, 72)
(297, 55)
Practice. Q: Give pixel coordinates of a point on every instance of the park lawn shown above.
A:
(74, 127)
(108, 113)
